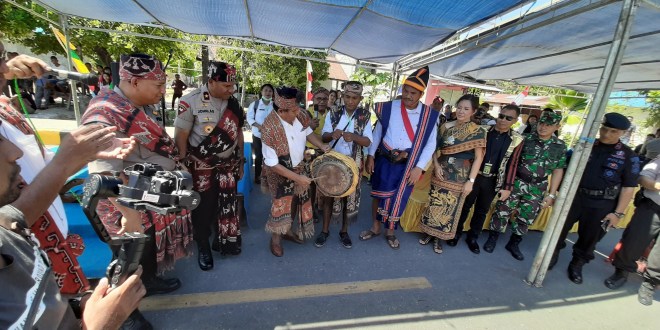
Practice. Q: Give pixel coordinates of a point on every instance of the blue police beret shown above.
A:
(616, 120)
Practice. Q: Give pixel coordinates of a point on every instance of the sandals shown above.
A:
(392, 241)
(437, 246)
(426, 239)
(367, 235)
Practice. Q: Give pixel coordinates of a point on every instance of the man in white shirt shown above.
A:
(284, 133)
(257, 113)
(349, 130)
(403, 144)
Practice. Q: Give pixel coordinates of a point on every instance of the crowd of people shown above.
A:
(460, 158)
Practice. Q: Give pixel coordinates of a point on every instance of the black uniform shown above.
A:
(610, 168)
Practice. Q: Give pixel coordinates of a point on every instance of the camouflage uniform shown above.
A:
(537, 160)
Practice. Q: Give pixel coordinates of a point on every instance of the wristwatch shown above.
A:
(553, 196)
(471, 180)
(619, 215)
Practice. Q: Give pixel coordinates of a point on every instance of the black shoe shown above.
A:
(617, 280)
(345, 240)
(554, 259)
(320, 240)
(575, 270)
(136, 321)
(215, 246)
(472, 244)
(512, 247)
(454, 241)
(204, 258)
(158, 285)
(645, 293)
(490, 244)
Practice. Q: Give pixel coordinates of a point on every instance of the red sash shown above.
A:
(406, 123)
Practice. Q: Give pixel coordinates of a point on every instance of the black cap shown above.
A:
(616, 121)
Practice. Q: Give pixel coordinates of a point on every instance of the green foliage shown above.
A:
(653, 99)
(96, 47)
(568, 102)
(374, 80)
(259, 68)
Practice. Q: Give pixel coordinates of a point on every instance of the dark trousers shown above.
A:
(148, 259)
(174, 97)
(590, 214)
(481, 196)
(258, 156)
(205, 215)
(644, 227)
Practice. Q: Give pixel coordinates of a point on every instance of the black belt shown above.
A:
(594, 193)
(531, 179)
(391, 156)
(601, 194)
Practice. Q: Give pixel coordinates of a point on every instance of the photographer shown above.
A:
(129, 108)
(30, 209)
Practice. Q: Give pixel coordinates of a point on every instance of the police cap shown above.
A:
(616, 121)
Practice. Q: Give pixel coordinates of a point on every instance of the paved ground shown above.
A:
(373, 286)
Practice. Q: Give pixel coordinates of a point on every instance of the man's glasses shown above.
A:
(503, 116)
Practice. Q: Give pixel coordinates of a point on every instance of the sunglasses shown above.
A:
(503, 116)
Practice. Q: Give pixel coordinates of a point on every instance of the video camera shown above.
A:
(149, 188)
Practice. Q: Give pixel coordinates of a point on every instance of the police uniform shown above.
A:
(199, 114)
(610, 168)
(214, 158)
(537, 160)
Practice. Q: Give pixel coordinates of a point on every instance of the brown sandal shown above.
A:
(367, 235)
(392, 241)
(426, 239)
(437, 246)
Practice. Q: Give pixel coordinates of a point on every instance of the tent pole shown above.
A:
(74, 90)
(583, 148)
(244, 73)
(393, 82)
(584, 116)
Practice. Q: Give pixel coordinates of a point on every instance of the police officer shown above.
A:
(209, 135)
(542, 154)
(603, 194)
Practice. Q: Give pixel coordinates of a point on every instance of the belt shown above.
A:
(491, 175)
(531, 180)
(594, 193)
(391, 157)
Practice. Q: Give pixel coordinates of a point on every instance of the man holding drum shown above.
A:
(283, 134)
(403, 144)
(350, 129)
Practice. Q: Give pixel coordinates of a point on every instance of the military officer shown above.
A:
(209, 135)
(603, 194)
(542, 154)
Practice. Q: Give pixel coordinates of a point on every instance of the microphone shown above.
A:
(85, 78)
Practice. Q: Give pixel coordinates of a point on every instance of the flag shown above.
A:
(519, 99)
(77, 62)
(310, 78)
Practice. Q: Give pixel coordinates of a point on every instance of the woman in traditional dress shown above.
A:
(459, 152)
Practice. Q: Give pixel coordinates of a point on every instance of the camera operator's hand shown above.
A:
(108, 308)
(23, 66)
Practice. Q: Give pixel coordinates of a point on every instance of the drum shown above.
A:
(335, 174)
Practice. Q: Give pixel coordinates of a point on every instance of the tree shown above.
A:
(258, 68)
(99, 47)
(653, 99)
(373, 80)
(568, 101)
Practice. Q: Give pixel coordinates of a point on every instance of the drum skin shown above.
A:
(336, 175)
